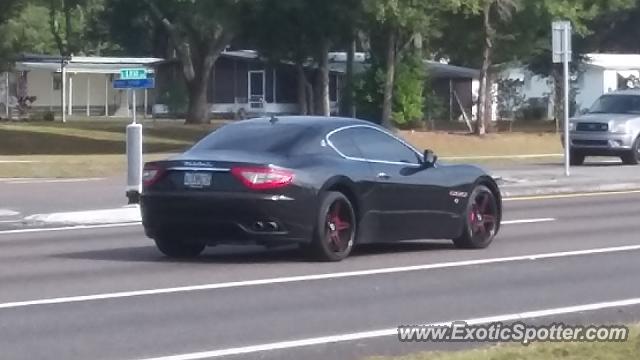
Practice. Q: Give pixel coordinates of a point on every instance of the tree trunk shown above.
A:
(348, 107)
(198, 112)
(387, 102)
(488, 103)
(324, 102)
(302, 89)
(486, 63)
(54, 28)
(310, 98)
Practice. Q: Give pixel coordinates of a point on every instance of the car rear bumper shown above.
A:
(245, 218)
(601, 143)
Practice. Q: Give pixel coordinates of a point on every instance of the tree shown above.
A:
(199, 31)
(8, 9)
(70, 23)
(398, 26)
(393, 22)
(492, 11)
(582, 14)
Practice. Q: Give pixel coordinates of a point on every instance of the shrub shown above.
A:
(408, 99)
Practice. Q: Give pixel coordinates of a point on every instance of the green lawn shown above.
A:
(96, 147)
(540, 351)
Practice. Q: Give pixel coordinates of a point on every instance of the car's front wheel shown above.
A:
(335, 231)
(633, 157)
(481, 220)
(174, 247)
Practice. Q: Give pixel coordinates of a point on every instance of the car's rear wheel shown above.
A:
(172, 246)
(633, 157)
(481, 220)
(335, 231)
(576, 158)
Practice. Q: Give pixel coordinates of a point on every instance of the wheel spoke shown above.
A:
(481, 229)
(342, 226)
(488, 219)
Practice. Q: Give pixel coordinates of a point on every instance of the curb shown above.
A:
(566, 190)
(127, 214)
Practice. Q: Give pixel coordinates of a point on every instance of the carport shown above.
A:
(55, 82)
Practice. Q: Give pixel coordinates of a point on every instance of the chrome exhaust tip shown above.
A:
(273, 226)
(258, 226)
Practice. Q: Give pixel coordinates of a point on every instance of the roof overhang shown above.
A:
(84, 64)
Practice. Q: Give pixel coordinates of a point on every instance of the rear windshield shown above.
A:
(616, 104)
(271, 138)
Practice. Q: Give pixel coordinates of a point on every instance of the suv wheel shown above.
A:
(633, 157)
(576, 158)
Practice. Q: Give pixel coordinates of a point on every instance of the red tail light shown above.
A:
(151, 174)
(263, 178)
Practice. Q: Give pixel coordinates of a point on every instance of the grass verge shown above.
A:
(96, 148)
(67, 166)
(540, 351)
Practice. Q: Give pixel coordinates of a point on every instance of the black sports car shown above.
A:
(326, 184)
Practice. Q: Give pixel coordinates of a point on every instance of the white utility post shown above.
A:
(146, 102)
(562, 54)
(7, 95)
(132, 79)
(88, 95)
(106, 96)
(63, 102)
(70, 100)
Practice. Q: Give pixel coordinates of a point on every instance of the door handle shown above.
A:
(384, 176)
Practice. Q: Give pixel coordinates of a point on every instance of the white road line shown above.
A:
(394, 331)
(482, 157)
(69, 228)
(571, 196)
(528, 221)
(325, 276)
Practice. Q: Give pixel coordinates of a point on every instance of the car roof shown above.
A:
(320, 123)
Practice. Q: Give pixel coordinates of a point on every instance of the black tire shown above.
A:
(576, 158)
(481, 221)
(335, 230)
(633, 157)
(175, 248)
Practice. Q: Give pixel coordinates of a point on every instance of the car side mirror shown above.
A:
(429, 159)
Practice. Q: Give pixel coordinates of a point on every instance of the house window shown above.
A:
(57, 82)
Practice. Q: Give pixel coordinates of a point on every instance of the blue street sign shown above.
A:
(134, 84)
(133, 74)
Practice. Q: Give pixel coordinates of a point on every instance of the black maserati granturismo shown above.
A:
(326, 184)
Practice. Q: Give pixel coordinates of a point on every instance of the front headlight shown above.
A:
(572, 126)
(619, 128)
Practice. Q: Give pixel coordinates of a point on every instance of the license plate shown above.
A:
(197, 180)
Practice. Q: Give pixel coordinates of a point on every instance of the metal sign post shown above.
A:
(134, 79)
(562, 54)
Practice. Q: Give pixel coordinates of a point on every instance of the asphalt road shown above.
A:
(43, 196)
(76, 294)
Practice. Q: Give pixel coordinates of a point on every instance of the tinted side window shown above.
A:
(376, 145)
(343, 141)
